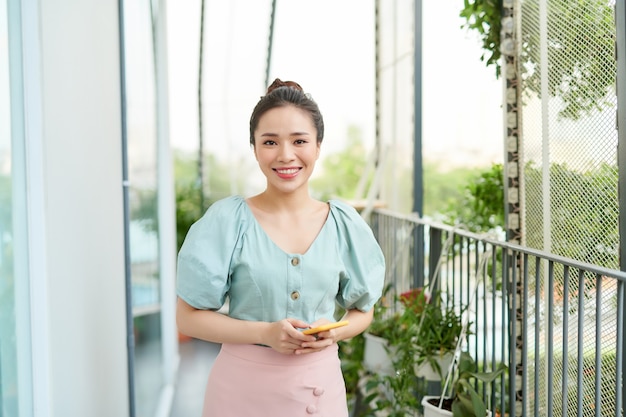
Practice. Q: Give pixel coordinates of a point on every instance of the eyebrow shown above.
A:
(270, 134)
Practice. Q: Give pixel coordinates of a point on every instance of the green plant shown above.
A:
(481, 207)
(437, 332)
(423, 329)
(398, 328)
(351, 353)
(396, 394)
(582, 75)
(466, 381)
(485, 17)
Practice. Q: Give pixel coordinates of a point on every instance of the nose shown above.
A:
(286, 153)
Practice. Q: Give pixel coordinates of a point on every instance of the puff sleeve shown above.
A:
(361, 285)
(204, 260)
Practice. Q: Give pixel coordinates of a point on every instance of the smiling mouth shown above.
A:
(287, 172)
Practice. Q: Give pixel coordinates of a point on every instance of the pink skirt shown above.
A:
(257, 381)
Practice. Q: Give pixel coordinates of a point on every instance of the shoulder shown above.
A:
(230, 207)
(223, 213)
(349, 223)
(233, 202)
(223, 222)
(345, 212)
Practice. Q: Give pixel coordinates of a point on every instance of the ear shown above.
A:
(254, 151)
(319, 148)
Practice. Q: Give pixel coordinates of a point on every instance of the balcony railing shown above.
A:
(558, 324)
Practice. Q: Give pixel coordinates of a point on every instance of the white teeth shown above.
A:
(287, 171)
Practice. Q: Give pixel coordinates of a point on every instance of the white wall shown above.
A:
(83, 208)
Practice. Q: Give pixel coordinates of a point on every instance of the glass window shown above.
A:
(8, 343)
(15, 379)
(144, 236)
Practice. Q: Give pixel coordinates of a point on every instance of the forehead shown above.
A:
(285, 119)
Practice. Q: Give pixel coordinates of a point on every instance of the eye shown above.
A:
(300, 141)
(269, 142)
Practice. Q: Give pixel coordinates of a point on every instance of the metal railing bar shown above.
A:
(484, 306)
(598, 358)
(620, 383)
(503, 307)
(565, 338)
(596, 269)
(537, 327)
(550, 354)
(494, 279)
(507, 335)
(513, 323)
(458, 255)
(581, 322)
(524, 343)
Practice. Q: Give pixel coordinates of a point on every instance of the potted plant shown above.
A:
(465, 400)
(390, 330)
(426, 331)
(435, 337)
(391, 386)
(405, 339)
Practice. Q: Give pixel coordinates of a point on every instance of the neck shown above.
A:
(286, 201)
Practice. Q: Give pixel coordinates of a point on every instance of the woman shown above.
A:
(284, 261)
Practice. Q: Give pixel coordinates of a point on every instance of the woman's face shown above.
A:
(286, 148)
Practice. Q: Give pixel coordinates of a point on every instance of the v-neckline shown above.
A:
(267, 236)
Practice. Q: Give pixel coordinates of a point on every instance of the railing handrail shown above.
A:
(596, 269)
(539, 306)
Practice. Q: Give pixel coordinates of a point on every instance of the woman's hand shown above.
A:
(283, 336)
(321, 340)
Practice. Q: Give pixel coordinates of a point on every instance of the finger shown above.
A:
(298, 324)
(304, 351)
(300, 337)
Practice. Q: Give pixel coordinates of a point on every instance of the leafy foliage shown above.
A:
(580, 46)
(423, 330)
(481, 207)
(585, 221)
(191, 202)
(437, 332)
(466, 400)
(484, 16)
(581, 54)
(351, 352)
(443, 187)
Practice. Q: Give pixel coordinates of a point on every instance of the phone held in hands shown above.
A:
(325, 327)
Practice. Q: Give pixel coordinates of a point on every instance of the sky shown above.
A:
(328, 47)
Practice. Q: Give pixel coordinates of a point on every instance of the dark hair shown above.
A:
(286, 93)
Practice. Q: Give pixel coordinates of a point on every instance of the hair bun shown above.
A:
(279, 83)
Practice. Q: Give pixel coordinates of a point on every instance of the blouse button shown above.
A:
(295, 295)
(318, 391)
(295, 261)
(311, 409)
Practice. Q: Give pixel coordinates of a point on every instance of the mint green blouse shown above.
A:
(227, 254)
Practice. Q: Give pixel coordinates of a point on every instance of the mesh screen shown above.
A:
(569, 149)
(569, 137)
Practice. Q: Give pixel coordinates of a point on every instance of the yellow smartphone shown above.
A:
(325, 327)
